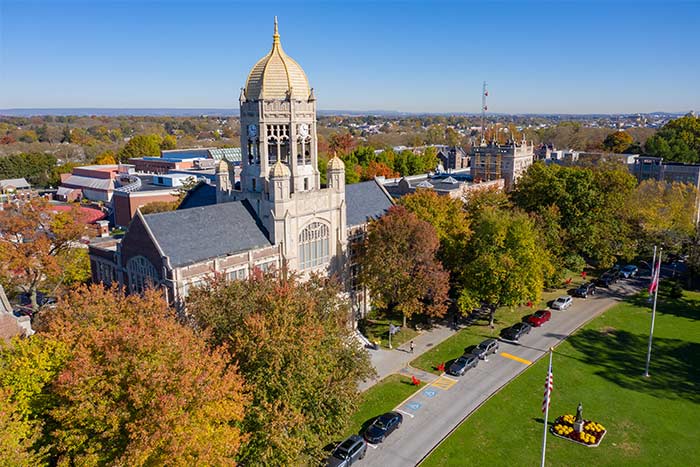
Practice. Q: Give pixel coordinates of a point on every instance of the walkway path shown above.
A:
(387, 362)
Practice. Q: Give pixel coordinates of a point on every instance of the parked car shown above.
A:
(562, 303)
(515, 332)
(629, 271)
(606, 279)
(538, 318)
(584, 290)
(486, 348)
(348, 452)
(382, 427)
(462, 364)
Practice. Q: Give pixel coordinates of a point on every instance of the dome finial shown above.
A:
(276, 35)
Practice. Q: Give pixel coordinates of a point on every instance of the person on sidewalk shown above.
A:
(412, 346)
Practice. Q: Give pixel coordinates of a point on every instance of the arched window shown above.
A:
(141, 273)
(313, 245)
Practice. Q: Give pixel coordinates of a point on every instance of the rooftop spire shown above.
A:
(276, 35)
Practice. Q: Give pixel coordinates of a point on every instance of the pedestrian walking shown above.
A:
(412, 346)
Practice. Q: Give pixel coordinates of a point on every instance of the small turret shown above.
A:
(336, 174)
(280, 177)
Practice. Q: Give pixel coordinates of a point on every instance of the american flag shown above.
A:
(548, 386)
(655, 277)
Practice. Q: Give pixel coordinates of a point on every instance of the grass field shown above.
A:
(381, 398)
(654, 421)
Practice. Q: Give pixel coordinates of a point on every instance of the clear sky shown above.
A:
(416, 56)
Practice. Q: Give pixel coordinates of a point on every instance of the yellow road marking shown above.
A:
(517, 359)
(443, 383)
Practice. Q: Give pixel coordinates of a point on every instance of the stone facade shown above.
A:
(507, 161)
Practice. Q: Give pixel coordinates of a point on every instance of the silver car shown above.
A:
(562, 303)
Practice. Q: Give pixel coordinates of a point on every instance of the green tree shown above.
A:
(591, 205)
(169, 142)
(27, 369)
(141, 146)
(292, 342)
(618, 142)
(664, 214)
(677, 141)
(399, 265)
(450, 221)
(506, 263)
(35, 167)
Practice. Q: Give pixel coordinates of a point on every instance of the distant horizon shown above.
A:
(538, 57)
(197, 111)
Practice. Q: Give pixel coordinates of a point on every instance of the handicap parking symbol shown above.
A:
(430, 393)
(413, 405)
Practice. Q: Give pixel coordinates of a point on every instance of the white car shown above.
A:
(562, 303)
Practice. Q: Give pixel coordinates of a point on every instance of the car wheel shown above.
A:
(362, 456)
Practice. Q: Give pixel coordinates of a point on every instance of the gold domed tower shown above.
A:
(278, 122)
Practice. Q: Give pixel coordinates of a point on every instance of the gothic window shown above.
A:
(277, 143)
(141, 274)
(253, 153)
(304, 150)
(313, 245)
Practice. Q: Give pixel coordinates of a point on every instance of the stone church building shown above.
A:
(279, 213)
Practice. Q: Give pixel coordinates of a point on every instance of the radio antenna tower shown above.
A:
(484, 108)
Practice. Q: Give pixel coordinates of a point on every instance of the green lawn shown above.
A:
(378, 329)
(381, 398)
(456, 345)
(654, 421)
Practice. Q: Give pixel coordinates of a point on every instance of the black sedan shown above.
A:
(462, 364)
(382, 427)
(515, 332)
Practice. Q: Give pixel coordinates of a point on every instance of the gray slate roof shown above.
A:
(364, 201)
(18, 183)
(201, 195)
(192, 235)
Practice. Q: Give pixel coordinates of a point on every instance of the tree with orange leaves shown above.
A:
(378, 169)
(36, 246)
(139, 388)
(399, 265)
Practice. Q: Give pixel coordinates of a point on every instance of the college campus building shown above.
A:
(491, 161)
(276, 214)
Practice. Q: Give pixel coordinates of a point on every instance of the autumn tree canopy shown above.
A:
(37, 247)
(116, 380)
(399, 265)
(618, 142)
(293, 344)
(450, 221)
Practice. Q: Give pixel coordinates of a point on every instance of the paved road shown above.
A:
(432, 413)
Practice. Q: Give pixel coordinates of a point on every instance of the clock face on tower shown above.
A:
(304, 130)
(252, 131)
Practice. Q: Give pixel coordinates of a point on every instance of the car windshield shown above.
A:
(341, 453)
(484, 345)
(539, 314)
(461, 361)
(561, 300)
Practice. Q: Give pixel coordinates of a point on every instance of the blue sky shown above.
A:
(559, 56)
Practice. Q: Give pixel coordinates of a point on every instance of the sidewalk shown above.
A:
(387, 362)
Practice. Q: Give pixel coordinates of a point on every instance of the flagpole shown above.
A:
(546, 409)
(657, 275)
(653, 265)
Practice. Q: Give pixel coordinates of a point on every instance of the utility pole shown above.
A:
(484, 108)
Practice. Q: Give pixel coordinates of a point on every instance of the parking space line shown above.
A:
(405, 413)
(517, 359)
(451, 379)
(373, 446)
(443, 383)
